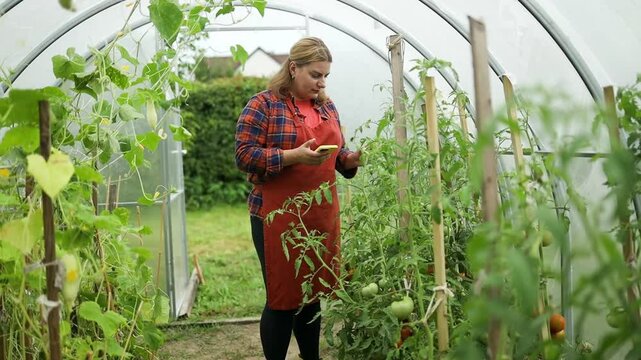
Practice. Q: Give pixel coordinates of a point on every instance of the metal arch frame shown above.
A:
(41, 47)
(566, 47)
(55, 36)
(7, 6)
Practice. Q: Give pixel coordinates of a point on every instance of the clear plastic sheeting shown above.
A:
(572, 46)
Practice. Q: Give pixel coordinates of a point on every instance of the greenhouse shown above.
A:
(484, 205)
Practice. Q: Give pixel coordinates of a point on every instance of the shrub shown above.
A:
(210, 113)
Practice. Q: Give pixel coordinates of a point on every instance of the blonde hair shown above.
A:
(304, 51)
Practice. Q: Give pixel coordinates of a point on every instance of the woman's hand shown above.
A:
(352, 160)
(304, 155)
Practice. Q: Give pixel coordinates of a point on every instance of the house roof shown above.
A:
(228, 61)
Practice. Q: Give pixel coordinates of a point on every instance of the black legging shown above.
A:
(276, 325)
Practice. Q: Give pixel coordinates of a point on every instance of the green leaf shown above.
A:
(239, 54)
(129, 113)
(260, 6)
(88, 174)
(64, 67)
(153, 336)
(9, 200)
(117, 77)
(227, 8)
(135, 156)
(146, 200)
(24, 106)
(523, 278)
(52, 175)
(25, 137)
(167, 17)
(83, 84)
(74, 239)
(107, 222)
(23, 234)
(149, 140)
(161, 308)
(319, 197)
(179, 132)
(114, 348)
(103, 109)
(108, 322)
(328, 194)
(125, 55)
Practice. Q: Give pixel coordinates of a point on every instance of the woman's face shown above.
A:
(309, 79)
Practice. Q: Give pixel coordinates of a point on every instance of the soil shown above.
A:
(221, 342)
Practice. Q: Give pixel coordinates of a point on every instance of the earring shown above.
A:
(293, 76)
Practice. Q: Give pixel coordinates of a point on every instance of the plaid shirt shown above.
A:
(265, 128)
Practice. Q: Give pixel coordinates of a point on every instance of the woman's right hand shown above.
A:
(304, 155)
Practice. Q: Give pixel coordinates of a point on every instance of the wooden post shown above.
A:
(489, 189)
(519, 162)
(437, 224)
(626, 236)
(395, 46)
(53, 319)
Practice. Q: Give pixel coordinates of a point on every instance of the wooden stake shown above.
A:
(625, 233)
(395, 46)
(463, 119)
(53, 319)
(515, 131)
(437, 223)
(489, 192)
(519, 162)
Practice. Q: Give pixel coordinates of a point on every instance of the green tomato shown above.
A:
(403, 308)
(616, 317)
(369, 290)
(547, 238)
(382, 283)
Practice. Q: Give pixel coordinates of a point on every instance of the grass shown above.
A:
(221, 237)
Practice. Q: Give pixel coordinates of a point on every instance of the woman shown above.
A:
(276, 136)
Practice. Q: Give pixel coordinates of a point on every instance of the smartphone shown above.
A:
(326, 149)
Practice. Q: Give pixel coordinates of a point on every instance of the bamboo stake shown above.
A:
(53, 318)
(519, 162)
(515, 131)
(489, 192)
(395, 46)
(625, 234)
(463, 119)
(437, 223)
(26, 339)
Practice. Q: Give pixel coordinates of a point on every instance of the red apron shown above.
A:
(284, 290)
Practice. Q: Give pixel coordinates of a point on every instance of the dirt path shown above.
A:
(220, 342)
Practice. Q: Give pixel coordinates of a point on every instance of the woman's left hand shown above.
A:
(352, 160)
